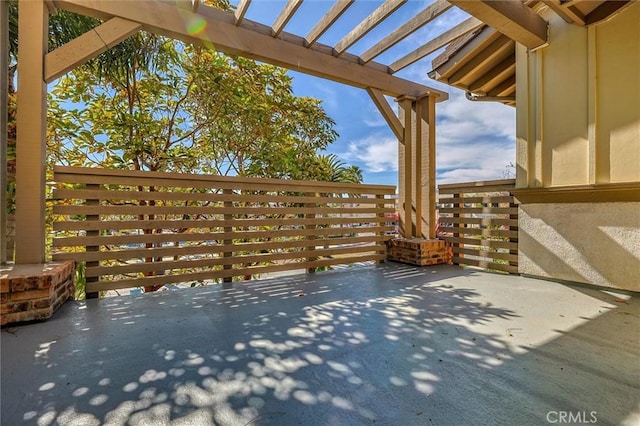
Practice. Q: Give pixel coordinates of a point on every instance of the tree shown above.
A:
(197, 110)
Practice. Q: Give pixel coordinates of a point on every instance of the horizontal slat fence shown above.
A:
(480, 219)
(137, 229)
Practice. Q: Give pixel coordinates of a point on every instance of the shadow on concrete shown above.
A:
(382, 345)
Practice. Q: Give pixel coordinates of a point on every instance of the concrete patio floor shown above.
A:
(384, 345)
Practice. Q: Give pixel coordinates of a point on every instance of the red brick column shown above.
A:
(35, 292)
(417, 251)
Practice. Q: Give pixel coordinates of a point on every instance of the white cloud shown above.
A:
(474, 141)
(377, 154)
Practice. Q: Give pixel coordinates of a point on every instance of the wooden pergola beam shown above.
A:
(336, 11)
(252, 41)
(285, 16)
(387, 113)
(87, 46)
(241, 10)
(436, 43)
(427, 15)
(369, 23)
(511, 17)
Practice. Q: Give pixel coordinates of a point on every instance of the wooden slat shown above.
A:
(479, 210)
(209, 236)
(338, 8)
(484, 221)
(484, 243)
(485, 265)
(488, 254)
(213, 180)
(425, 16)
(237, 185)
(476, 190)
(222, 261)
(208, 275)
(369, 23)
(179, 224)
(208, 249)
(241, 11)
(481, 231)
(128, 210)
(436, 43)
(285, 16)
(488, 199)
(105, 194)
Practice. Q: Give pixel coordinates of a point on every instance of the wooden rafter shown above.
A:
(87, 46)
(376, 17)
(338, 8)
(511, 17)
(285, 15)
(436, 43)
(498, 72)
(241, 10)
(606, 10)
(568, 3)
(425, 16)
(569, 14)
(387, 113)
(493, 51)
(505, 88)
(252, 40)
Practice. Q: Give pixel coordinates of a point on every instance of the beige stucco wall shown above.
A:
(578, 105)
(578, 123)
(582, 242)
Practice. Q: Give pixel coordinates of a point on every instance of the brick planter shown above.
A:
(34, 292)
(421, 252)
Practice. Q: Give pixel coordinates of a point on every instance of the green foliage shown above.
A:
(193, 110)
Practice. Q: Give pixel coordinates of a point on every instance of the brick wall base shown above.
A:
(419, 252)
(34, 292)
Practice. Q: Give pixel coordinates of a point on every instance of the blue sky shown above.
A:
(475, 141)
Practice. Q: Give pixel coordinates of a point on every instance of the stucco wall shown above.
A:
(578, 123)
(578, 104)
(595, 243)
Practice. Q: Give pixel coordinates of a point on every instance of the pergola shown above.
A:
(414, 126)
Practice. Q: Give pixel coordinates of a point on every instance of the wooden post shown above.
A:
(512, 203)
(92, 233)
(31, 132)
(381, 205)
(459, 224)
(420, 165)
(4, 65)
(405, 168)
(228, 217)
(312, 237)
(431, 158)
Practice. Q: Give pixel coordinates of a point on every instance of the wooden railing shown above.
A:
(149, 229)
(480, 219)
